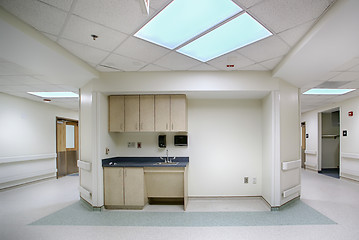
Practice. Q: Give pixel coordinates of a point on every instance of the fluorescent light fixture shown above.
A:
(237, 33)
(327, 91)
(55, 94)
(182, 20)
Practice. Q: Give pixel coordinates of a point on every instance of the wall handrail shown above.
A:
(291, 164)
(25, 158)
(312, 152)
(291, 191)
(350, 155)
(84, 165)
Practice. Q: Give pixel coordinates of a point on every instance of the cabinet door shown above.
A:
(132, 113)
(116, 114)
(113, 186)
(178, 113)
(147, 113)
(134, 187)
(162, 113)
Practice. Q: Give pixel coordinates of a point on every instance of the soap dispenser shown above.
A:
(162, 141)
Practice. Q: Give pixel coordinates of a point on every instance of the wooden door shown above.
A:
(178, 113)
(134, 187)
(147, 113)
(162, 113)
(113, 186)
(132, 113)
(61, 162)
(116, 113)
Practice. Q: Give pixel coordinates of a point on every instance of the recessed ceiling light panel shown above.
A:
(237, 33)
(55, 94)
(182, 20)
(327, 91)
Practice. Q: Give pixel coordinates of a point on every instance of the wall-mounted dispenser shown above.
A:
(162, 141)
(180, 140)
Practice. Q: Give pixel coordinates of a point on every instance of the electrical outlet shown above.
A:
(131, 144)
(254, 180)
(245, 179)
(107, 151)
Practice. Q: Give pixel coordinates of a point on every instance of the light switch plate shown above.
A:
(131, 144)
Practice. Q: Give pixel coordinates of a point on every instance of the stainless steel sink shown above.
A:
(166, 163)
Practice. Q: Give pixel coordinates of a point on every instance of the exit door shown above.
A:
(67, 146)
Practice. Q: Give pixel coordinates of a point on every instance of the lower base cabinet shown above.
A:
(124, 188)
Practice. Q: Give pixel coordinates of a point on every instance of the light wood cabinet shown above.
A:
(132, 113)
(116, 113)
(162, 113)
(147, 113)
(124, 187)
(178, 113)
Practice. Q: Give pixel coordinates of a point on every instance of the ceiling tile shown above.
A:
(41, 16)
(354, 69)
(80, 30)
(153, 68)
(265, 49)
(281, 15)
(105, 68)
(86, 53)
(293, 35)
(9, 68)
(50, 36)
(254, 67)
(272, 63)
(176, 61)
(123, 63)
(330, 84)
(348, 65)
(63, 4)
(353, 84)
(141, 50)
(346, 76)
(232, 58)
(125, 15)
(247, 3)
(329, 75)
(158, 4)
(203, 67)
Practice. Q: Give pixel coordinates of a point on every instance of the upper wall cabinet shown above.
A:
(148, 113)
(117, 114)
(170, 113)
(132, 113)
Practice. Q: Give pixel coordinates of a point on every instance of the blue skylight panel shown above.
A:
(237, 33)
(326, 91)
(182, 20)
(55, 94)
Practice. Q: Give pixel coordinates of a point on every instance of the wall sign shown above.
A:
(350, 114)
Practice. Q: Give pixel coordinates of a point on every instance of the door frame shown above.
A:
(77, 145)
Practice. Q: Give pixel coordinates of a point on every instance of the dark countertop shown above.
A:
(142, 162)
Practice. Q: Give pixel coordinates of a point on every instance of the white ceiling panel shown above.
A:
(281, 15)
(123, 63)
(348, 65)
(86, 53)
(63, 4)
(153, 68)
(265, 49)
(41, 16)
(80, 30)
(232, 58)
(329, 75)
(293, 35)
(346, 76)
(50, 36)
(271, 63)
(353, 84)
(176, 61)
(104, 68)
(203, 67)
(19, 80)
(9, 68)
(158, 4)
(254, 67)
(141, 50)
(247, 3)
(125, 15)
(354, 69)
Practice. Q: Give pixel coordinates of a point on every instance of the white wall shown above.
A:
(289, 138)
(349, 151)
(28, 131)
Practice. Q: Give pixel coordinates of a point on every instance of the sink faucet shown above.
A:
(168, 159)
